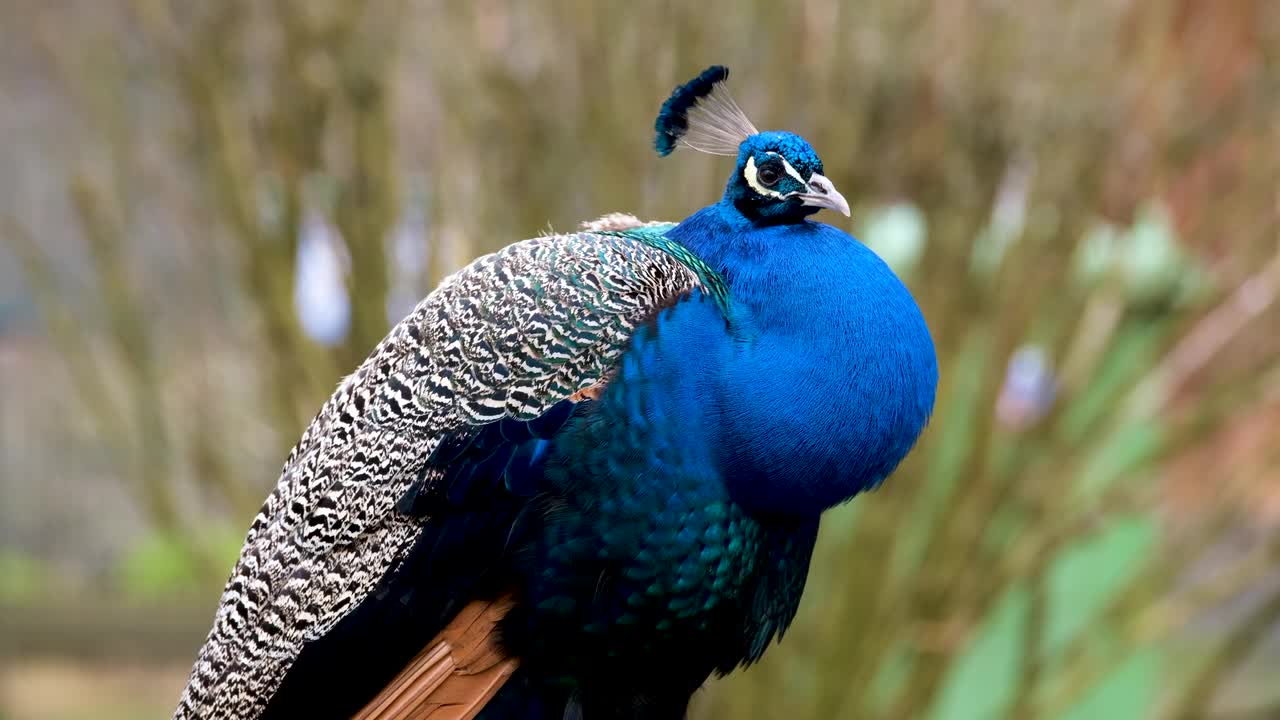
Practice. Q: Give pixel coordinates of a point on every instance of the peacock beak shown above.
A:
(822, 193)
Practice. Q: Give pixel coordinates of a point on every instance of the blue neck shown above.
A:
(837, 376)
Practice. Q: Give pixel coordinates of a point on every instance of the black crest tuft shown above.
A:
(673, 119)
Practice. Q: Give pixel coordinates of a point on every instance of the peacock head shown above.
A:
(778, 177)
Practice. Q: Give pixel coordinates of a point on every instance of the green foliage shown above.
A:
(23, 579)
(1090, 573)
(983, 679)
(159, 566)
(156, 567)
(896, 233)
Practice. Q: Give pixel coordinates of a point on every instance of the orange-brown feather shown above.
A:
(455, 675)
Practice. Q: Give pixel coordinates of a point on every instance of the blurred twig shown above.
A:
(1211, 334)
(64, 329)
(133, 343)
(1238, 645)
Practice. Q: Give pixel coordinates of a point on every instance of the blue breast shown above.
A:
(834, 373)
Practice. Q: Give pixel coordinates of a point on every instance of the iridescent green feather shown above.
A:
(656, 236)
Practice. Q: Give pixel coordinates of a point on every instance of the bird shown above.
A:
(586, 473)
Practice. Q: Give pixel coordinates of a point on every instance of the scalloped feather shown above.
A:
(701, 115)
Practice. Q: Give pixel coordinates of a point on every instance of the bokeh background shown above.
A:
(210, 211)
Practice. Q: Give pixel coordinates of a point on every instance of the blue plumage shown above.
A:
(658, 529)
(838, 376)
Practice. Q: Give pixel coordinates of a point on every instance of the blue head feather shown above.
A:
(778, 153)
(774, 168)
(673, 118)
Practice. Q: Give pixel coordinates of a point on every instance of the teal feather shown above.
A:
(655, 236)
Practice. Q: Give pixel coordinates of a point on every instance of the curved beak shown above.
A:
(822, 193)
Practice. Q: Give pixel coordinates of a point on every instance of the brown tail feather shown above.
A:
(454, 676)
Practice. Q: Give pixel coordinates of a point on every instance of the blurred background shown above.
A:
(210, 211)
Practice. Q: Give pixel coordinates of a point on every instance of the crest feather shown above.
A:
(703, 116)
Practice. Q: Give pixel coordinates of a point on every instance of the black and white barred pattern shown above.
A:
(511, 334)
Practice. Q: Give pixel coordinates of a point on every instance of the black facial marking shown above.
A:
(770, 172)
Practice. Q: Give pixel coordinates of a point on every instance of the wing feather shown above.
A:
(509, 336)
(454, 675)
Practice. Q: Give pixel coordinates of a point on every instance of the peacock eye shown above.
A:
(768, 175)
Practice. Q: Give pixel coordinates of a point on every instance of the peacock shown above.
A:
(586, 472)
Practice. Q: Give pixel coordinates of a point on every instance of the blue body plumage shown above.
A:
(659, 529)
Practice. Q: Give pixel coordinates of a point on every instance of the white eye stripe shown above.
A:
(749, 172)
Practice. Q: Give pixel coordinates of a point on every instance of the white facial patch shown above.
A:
(750, 172)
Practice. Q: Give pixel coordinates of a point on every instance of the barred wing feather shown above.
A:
(509, 336)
